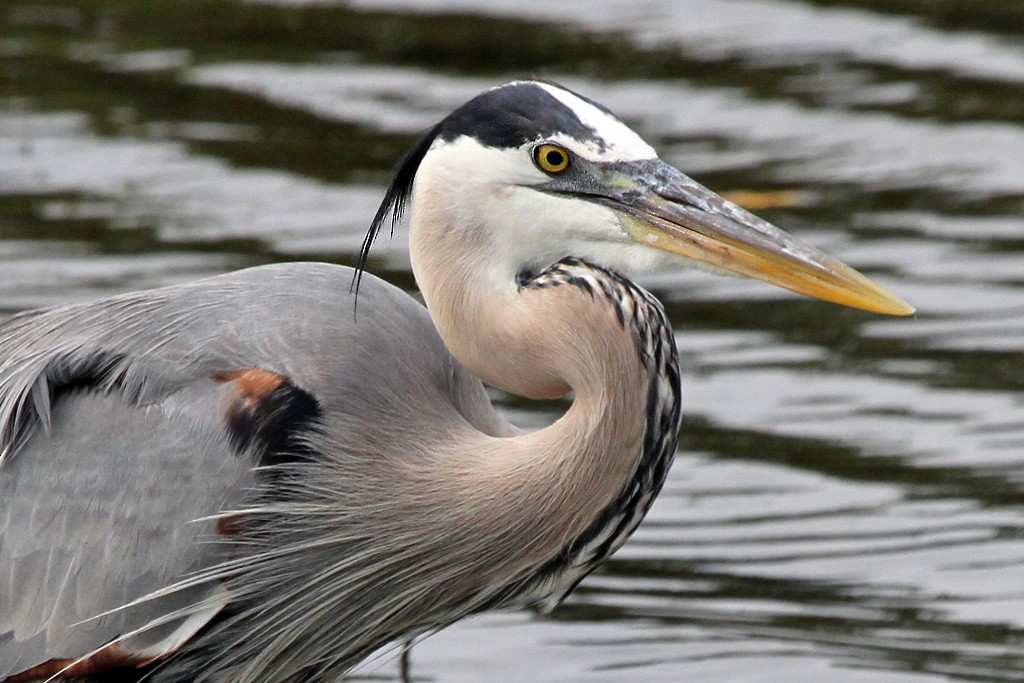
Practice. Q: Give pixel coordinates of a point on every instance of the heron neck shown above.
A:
(540, 340)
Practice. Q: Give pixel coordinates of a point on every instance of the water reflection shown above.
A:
(848, 503)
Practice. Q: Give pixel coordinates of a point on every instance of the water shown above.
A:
(847, 503)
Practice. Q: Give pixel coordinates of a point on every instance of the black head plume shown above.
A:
(395, 199)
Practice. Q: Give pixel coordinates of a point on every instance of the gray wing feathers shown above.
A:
(147, 343)
(93, 521)
(101, 491)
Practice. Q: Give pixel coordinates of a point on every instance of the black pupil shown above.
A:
(555, 158)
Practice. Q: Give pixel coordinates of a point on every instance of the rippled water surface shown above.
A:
(848, 503)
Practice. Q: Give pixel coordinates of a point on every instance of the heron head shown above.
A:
(529, 172)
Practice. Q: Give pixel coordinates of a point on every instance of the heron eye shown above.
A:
(551, 158)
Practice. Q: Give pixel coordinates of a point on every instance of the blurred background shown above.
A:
(848, 501)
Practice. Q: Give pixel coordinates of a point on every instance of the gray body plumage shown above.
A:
(119, 477)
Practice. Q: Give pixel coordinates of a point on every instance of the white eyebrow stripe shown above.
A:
(622, 142)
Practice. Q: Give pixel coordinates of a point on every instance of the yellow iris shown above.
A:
(551, 158)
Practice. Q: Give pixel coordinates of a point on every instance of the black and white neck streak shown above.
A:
(639, 313)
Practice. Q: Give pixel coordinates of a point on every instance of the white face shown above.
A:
(505, 225)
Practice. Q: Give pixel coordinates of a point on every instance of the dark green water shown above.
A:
(848, 504)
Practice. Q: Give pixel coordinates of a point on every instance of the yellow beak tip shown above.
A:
(901, 308)
(864, 294)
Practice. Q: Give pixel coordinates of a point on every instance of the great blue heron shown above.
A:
(248, 479)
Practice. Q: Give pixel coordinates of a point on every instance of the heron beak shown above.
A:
(661, 207)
